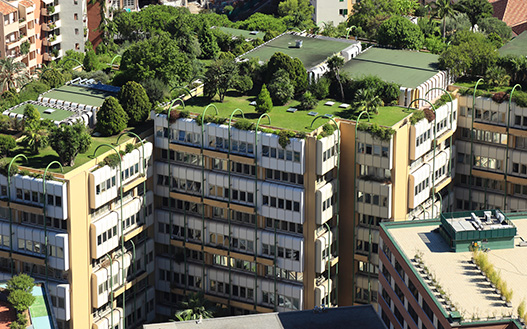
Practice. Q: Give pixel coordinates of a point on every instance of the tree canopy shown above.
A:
(68, 141)
(401, 33)
(221, 76)
(135, 102)
(111, 118)
(475, 9)
(264, 104)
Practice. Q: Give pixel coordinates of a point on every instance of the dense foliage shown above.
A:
(68, 141)
(111, 118)
(399, 32)
(135, 102)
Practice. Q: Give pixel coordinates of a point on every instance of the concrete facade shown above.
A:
(335, 11)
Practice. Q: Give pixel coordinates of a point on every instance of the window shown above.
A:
(76, 17)
(343, 12)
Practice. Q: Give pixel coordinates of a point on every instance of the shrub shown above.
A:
(32, 90)
(308, 101)
(521, 309)
(7, 143)
(327, 130)
(442, 100)
(111, 118)
(320, 89)
(243, 124)
(21, 319)
(68, 141)
(284, 137)
(382, 133)
(4, 166)
(21, 282)
(520, 98)
(429, 114)
(264, 104)
(281, 88)
(210, 119)
(20, 299)
(111, 160)
(129, 148)
(156, 89)
(90, 62)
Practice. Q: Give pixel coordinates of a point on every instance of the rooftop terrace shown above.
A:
(406, 68)
(243, 33)
(313, 51)
(517, 46)
(458, 276)
(299, 120)
(54, 115)
(79, 94)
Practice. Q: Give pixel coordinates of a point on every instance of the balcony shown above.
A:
(50, 26)
(50, 10)
(52, 40)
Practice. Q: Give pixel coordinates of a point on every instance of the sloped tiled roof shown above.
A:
(6, 8)
(27, 3)
(512, 12)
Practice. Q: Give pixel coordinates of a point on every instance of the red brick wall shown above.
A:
(94, 19)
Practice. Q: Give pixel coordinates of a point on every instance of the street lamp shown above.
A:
(121, 178)
(44, 210)
(338, 195)
(10, 210)
(255, 199)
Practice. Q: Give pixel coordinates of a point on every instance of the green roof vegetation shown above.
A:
(57, 115)
(300, 120)
(78, 94)
(46, 155)
(314, 50)
(517, 46)
(244, 33)
(406, 68)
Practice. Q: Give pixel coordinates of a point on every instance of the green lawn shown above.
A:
(243, 33)
(313, 52)
(300, 120)
(46, 155)
(57, 115)
(38, 308)
(406, 68)
(81, 95)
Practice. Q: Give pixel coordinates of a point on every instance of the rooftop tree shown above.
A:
(111, 117)
(68, 141)
(264, 104)
(135, 102)
(399, 32)
(221, 76)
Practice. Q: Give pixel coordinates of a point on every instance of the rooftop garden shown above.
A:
(300, 120)
(500, 93)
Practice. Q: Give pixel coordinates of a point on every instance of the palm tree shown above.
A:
(335, 62)
(497, 76)
(195, 307)
(35, 137)
(444, 9)
(367, 100)
(12, 74)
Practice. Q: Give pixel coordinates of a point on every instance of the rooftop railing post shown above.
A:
(10, 209)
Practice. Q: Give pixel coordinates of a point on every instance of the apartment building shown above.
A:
(495, 140)
(331, 11)
(429, 279)
(63, 27)
(252, 225)
(19, 32)
(99, 263)
(93, 14)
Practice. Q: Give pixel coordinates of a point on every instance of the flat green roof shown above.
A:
(244, 33)
(57, 115)
(299, 120)
(314, 50)
(517, 46)
(406, 68)
(81, 95)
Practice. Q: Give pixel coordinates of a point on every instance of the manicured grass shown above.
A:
(243, 33)
(406, 68)
(57, 115)
(46, 155)
(482, 87)
(81, 95)
(300, 120)
(314, 50)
